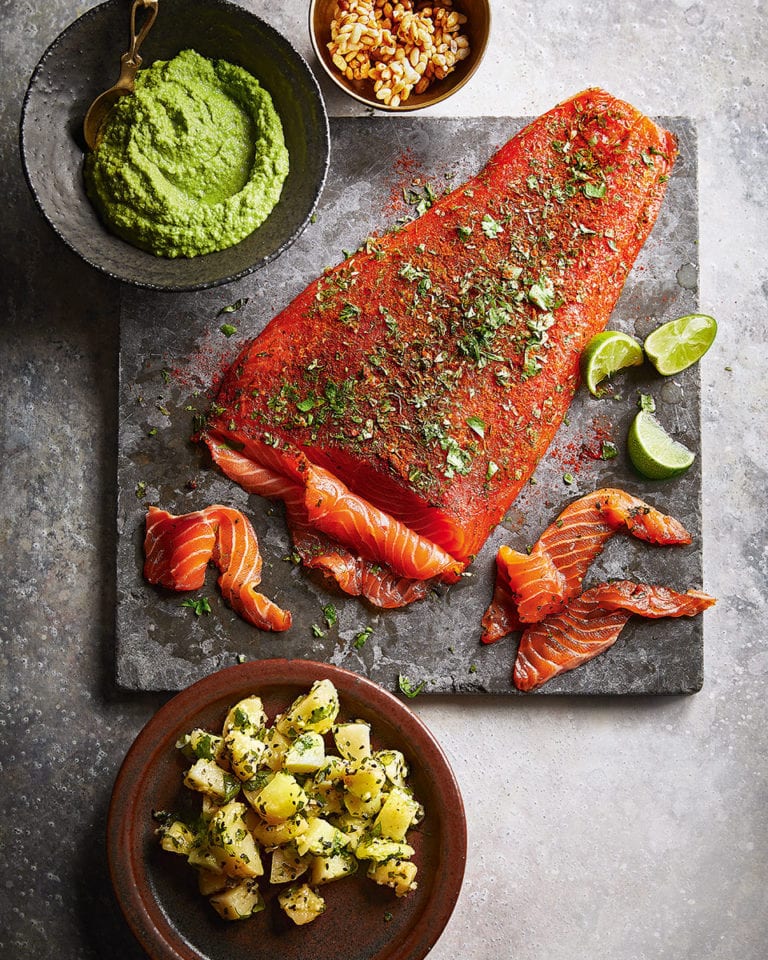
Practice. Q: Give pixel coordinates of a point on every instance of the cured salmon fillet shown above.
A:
(591, 623)
(408, 393)
(532, 586)
(177, 550)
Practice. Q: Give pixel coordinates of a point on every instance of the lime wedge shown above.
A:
(676, 345)
(605, 354)
(653, 452)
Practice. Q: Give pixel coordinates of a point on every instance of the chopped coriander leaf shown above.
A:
(647, 403)
(361, 637)
(141, 490)
(476, 425)
(608, 450)
(329, 612)
(595, 191)
(199, 605)
(406, 686)
(233, 306)
(228, 329)
(568, 478)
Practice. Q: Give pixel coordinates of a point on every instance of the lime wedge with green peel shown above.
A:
(605, 354)
(653, 452)
(674, 346)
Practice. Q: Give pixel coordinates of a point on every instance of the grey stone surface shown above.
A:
(169, 361)
(599, 828)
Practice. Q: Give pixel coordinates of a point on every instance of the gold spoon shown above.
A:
(129, 66)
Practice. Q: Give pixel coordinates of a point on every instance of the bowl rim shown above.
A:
(154, 930)
(408, 106)
(176, 287)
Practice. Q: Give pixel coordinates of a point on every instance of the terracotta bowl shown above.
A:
(157, 891)
(477, 29)
(85, 60)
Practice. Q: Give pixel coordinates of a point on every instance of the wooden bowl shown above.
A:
(158, 891)
(476, 29)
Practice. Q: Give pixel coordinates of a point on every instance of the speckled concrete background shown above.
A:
(630, 830)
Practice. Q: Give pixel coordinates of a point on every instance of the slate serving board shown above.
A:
(172, 348)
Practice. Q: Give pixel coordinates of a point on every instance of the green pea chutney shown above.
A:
(194, 161)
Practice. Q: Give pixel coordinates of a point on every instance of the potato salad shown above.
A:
(296, 804)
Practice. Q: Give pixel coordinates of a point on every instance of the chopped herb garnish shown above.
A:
(199, 605)
(647, 403)
(361, 637)
(476, 425)
(317, 631)
(330, 614)
(233, 306)
(568, 478)
(608, 450)
(491, 228)
(493, 469)
(406, 686)
(228, 329)
(141, 490)
(595, 191)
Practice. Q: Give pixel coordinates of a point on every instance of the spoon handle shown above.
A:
(137, 38)
(131, 61)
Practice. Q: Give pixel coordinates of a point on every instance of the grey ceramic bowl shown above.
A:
(85, 60)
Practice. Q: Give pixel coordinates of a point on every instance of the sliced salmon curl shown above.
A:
(318, 551)
(541, 582)
(177, 550)
(500, 619)
(591, 623)
(377, 536)
(238, 558)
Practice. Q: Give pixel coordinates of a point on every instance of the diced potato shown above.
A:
(365, 778)
(394, 765)
(207, 777)
(321, 838)
(333, 769)
(353, 828)
(245, 752)
(328, 797)
(381, 849)
(281, 799)
(177, 837)
(201, 858)
(209, 807)
(238, 902)
(232, 844)
(333, 867)
(247, 715)
(277, 745)
(201, 745)
(273, 834)
(301, 904)
(353, 740)
(208, 882)
(315, 711)
(306, 754)
(398, 874)
(397, 815)
(363, 808)
(287, 864)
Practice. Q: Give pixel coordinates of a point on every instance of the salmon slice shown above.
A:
(352, 574)
(538, 584)
(178, 550)
(591, 623)
(427, 374)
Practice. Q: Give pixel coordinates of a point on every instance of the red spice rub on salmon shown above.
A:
(177, 550)
(424, 377)
(591, 623)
